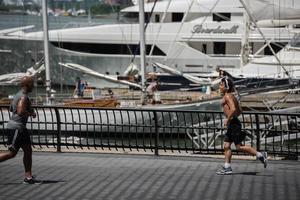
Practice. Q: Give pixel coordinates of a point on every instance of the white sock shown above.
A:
(259, 155)
(227, 165)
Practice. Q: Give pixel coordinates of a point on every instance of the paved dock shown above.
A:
(83, 176)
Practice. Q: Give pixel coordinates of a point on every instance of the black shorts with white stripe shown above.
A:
(17, 138)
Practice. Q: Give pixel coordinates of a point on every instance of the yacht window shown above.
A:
(177, 17)
(251, 45)
(107, 48)
(219, 48)
(204, 48)
(221, 17)
(147, 17)
(193, 72)
(275, 46)
(226, 66)
(131, 15)
(193, 66)
(157, 18)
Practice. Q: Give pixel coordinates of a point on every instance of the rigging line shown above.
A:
(204, 19)
(180, 27)
(163, 18)
(263, 36)
(25, 20)
(123, 34)
(266, 44)
(159, 28)
(57, 20)
(60, 56)
(279, 18)
(146, 25)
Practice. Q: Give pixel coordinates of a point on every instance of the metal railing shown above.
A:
(175, 131)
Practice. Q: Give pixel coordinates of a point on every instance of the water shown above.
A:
(25, 53)
(12, 21)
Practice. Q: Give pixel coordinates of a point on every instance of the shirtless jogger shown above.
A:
(234, 134)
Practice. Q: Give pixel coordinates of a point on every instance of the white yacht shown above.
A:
(285, 63)
(193, 36)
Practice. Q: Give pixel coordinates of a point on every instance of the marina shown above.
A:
(177, 40)
(134, 94)
(198, 24)
(173, 86)
(133, 105)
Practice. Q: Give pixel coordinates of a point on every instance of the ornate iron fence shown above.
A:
(156, 130)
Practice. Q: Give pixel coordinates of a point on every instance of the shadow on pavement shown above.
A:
(251, 174)
(52, 181)
(42, 182)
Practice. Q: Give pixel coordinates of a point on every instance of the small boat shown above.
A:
(99, 103)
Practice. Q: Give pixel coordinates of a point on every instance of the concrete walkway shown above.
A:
(82, 176)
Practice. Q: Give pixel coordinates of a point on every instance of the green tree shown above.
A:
(104, 9)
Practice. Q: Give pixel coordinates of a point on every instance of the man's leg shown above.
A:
(226, 169)
(227, 152)
(13, 146)
(27, 160)
(263, 157)
(247, 149)
(7, 155)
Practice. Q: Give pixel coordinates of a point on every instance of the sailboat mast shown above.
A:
(263, 36)
(142, 48)
(245, 50)
(46, 50)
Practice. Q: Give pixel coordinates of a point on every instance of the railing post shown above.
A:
(156, 133)
(58, 133)
(257, 132)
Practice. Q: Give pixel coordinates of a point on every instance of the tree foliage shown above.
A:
(104, 9)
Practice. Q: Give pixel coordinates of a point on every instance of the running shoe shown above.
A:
(224, 171)
(31, 181)
(264, 159)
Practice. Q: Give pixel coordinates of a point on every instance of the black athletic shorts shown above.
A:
(18, 138)
(234, 132)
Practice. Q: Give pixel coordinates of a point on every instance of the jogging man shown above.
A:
(234, 134)
(18, 136)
